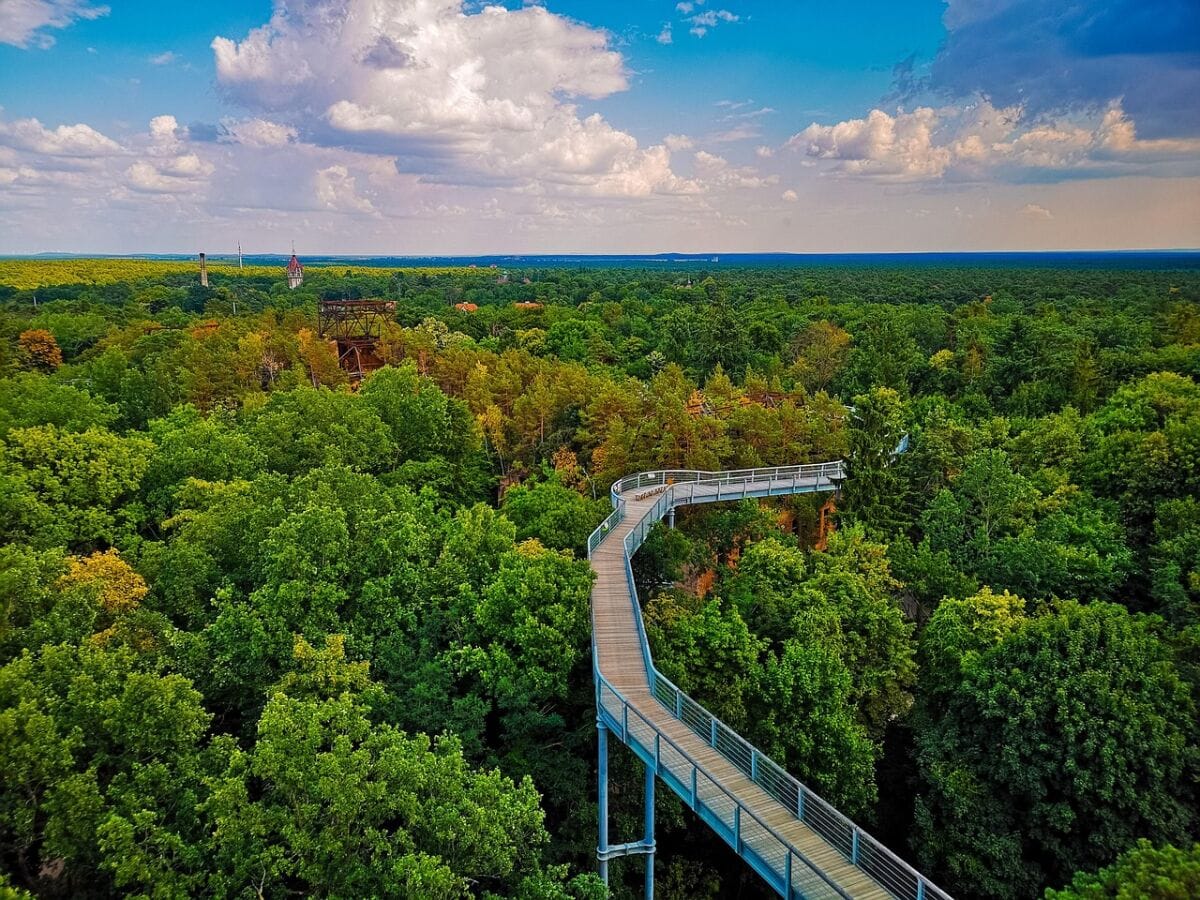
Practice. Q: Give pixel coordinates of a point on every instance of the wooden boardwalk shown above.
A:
(678, 751)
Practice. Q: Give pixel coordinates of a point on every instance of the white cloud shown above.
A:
(743, 131)
(717, 170)
(78, 141)
(483, 97)
(685, 8)
(764, 152)
(23, 22)
(336, 189)
(789, 195)
(145, 178)
(79, 158)
(677, 142)
(879, 145)
(702, 22)
(711, 17)
(163, 59)
(257, 133)
(1033, 211)
(664, 36)
(168, 165)
(165, 133)
(979, 140)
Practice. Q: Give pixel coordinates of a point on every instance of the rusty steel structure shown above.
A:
(355, 327)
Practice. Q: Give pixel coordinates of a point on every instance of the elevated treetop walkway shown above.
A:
(795, 840)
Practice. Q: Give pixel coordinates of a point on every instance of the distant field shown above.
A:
(25, 274)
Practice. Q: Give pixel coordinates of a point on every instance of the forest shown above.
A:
(265, 632)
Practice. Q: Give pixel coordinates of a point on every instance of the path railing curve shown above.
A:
(784, 866)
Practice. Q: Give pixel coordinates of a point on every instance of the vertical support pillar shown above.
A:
(649, 836)
(602, 797)
(671, 517)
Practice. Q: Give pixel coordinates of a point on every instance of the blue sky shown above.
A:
(436, 126)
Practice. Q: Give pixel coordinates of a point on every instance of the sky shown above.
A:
(408, 127)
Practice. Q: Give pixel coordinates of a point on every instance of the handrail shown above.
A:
(858, 847)
(661, 738)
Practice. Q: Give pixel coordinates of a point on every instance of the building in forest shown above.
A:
(295, 271)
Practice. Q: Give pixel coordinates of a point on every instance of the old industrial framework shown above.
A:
(355, 326)
(800, 844)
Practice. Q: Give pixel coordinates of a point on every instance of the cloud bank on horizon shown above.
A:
(434, 126)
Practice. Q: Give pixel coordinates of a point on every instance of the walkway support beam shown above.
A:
(602, 798)
(649, 838)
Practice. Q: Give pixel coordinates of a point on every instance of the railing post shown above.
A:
(800, 802)
(787, 876)
(737, 827)
(625, 723)
(754, 764)
(712, 732)
(678, 703)
(920, 888)
(854, 846)
(695, 795)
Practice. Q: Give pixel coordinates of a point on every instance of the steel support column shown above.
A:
(649, 838)
(602, 795)
(671, 517)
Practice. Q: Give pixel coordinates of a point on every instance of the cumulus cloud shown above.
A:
(982, 141)
(489, 97)
(336, 189)
(80, 159)
(899, 146)
(79, 141)
(163, 59)
(665, 36)
(167, 164)
(175, 177)
(790, 196)
(23, 23)
(1033, 211)
(257, 133)
(677, 142)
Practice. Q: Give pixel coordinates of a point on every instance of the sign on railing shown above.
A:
(768, 852)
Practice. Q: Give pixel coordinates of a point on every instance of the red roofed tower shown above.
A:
(295, 271)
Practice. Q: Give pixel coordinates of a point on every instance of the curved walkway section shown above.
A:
(797, 842)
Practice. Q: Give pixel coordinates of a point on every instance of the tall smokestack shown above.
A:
(203, 271)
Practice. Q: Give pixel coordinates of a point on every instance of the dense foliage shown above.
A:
(265, 632)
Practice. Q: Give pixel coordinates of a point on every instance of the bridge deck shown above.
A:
(653, 728)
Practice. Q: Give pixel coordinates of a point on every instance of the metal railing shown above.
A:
(778, 861)
(771, 854)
